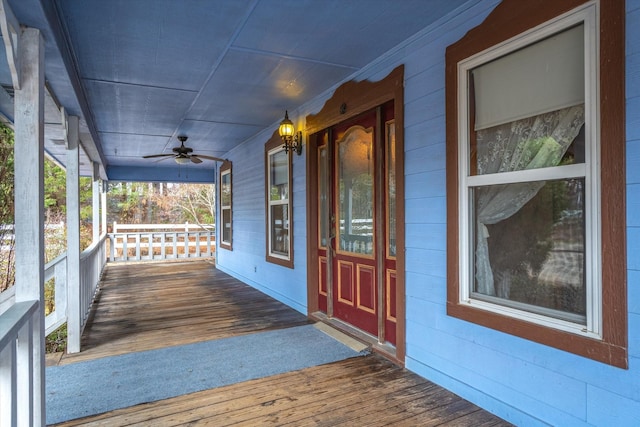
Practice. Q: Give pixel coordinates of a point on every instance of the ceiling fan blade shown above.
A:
(202, 156)
(163, 159)
(195, 159)
(157, 155)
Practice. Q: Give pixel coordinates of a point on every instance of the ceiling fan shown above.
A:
(184, 154)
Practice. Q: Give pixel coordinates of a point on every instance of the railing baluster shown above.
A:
(137, 257)
(61, 290)
(8, 385)
(175, 245)
(125, 250)
(162, 248)
(25, 371)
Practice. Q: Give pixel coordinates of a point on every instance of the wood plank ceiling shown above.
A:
(140, 73)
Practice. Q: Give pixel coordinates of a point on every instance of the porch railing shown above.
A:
(20, 363)
(146, 242)
(7, 299)
(20, 352)
(56, 270)
(92, 262)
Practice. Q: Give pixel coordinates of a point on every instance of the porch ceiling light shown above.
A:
(292, 139)
(181, 160)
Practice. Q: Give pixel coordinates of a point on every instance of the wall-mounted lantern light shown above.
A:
(292, 139)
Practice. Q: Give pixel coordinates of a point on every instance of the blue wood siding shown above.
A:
(521, 381)
(247, 260)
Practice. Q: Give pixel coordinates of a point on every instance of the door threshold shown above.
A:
(386, 350)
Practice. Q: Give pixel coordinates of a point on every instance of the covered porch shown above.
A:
(181, 303)
(362, 206)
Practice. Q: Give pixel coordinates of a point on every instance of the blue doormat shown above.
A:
(89, 388)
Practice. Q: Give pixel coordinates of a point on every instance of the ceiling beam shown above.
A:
(177, 173)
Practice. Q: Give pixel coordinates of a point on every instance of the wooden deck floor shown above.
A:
(145, 306)
(148, 306)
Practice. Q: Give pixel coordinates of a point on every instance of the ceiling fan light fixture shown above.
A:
(183, 155)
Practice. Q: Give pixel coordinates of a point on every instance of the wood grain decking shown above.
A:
(145, 306)
(153, 305)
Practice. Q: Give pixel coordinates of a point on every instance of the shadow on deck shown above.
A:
(150, 306)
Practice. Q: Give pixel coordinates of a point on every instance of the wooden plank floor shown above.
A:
(145, 306)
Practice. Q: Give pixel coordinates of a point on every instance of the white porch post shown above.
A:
(103, 203)
(29, 214)
(95, 193)
(73, 238)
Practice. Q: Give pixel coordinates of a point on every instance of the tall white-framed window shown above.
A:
(226, 222)
(528, 217)
(278, 204)
(535, 176)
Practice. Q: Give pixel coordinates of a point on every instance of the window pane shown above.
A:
(550, 139)
(280, 229)
(226, 189)
(355, 186)
(391, 188)
(530, 246)
(226, 225)
(279, 176)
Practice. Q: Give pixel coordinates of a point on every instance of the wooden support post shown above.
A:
(74, 301)
(103, 204)
(95, 193)
(29, 212)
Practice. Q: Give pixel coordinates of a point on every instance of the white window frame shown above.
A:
(224, 243)
(588, 15)
(270, 203)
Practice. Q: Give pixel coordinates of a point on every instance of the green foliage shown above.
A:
(55, 188)
(55, 198)
(7, 271)
(57, 340)
(6, 175)
(159, 203)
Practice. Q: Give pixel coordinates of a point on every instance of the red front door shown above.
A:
(357, 269)
(355, 296)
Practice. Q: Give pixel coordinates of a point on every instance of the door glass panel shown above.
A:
(323, 201)
(391, 188)
(355, 189)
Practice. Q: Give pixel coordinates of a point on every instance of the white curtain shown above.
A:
(535, 142)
